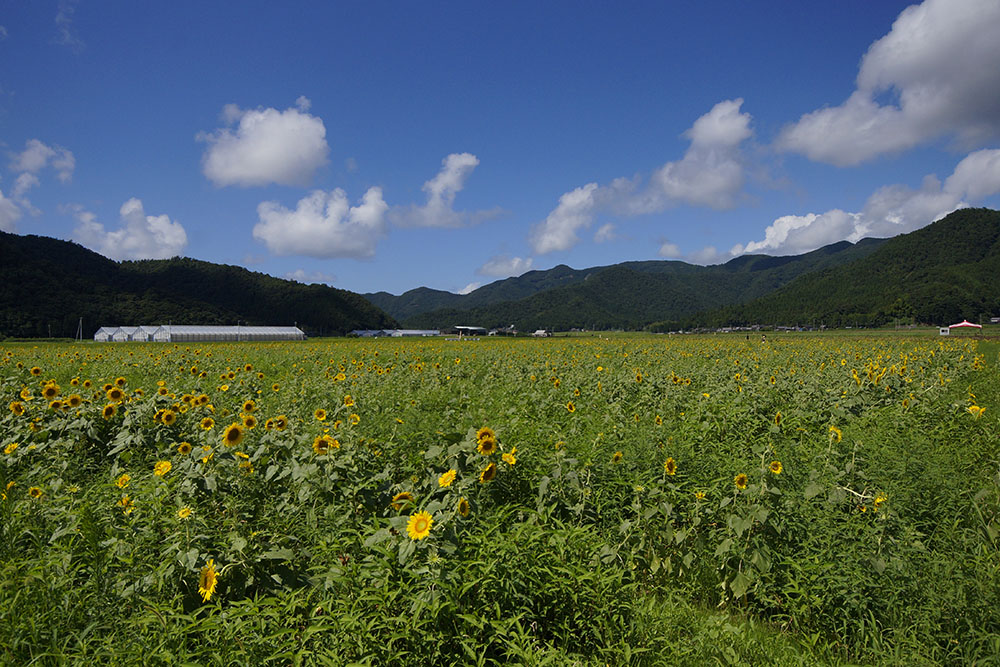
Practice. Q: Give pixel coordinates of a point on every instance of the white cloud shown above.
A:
(311, 277)
(37, 155)
(141, 236)
(558, 230)
(939, 65)
(891, 210)
(605, 233)
(710, 174)
(441, 191)
(64, 26)
(9, 214)
(501, 266)
(266, 146)
(670, 250)
(323, 224)
(3, 33)
(471, 287)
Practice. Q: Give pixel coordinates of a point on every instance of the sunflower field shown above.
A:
(644, 500)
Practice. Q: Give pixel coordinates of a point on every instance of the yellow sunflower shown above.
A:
(233, 434)
(184, 448)
(35, 492)
(123, 480)
(617, 457)
(463, 507)
(488, 473)
(401, 499)
(161, 468)
(447, 478)
(184, 513)
(17, 408)
(419, 525)
(249, 406)
(775, 467)
(320, 414)
(670, 466)
(207, 423)
(50, 391)
(280, 422)
(570, 407)
(349, 401)
(487, 446)
(740, 481)
(510, 458)
(208, 580)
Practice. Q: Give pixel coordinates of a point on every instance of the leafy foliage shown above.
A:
(49, 284)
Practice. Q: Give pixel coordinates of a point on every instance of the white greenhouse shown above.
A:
(194, 333)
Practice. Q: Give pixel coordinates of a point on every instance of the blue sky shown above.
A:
(384, 146)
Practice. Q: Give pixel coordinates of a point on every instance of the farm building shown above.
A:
(103, 335)
(195, 333)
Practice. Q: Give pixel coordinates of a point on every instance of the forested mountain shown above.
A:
(631, 295)
(48, 284)
(940, 274)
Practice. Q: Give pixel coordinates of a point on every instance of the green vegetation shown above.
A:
(49, 285)
(637, 500)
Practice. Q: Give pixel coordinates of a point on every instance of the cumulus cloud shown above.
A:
(891, 210)
(441, 191)
(311, 277)
(502, 266)
(939, 66)
(710, 173)
(37, 155)
(140, 236)
(9, 214)
(471, 287)
(323, 224)
(605, 233)
(262, 146)
(669, 250)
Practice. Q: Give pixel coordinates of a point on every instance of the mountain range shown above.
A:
(945, 271)
(941, 273)
(49, 284)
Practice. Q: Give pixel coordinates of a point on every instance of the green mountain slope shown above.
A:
(942, 273)
(48, 284)
(630, 295)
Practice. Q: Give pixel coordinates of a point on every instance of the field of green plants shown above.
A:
(646, 500)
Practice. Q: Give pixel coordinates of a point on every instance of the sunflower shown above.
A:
(120, 381)
(184, 448)
(658, 420)
(348, 401)
(109, 411)
(280, 422)
(168, 417)
(126, 504)
(485, 432)
(161, 468)
(275, 387)
(35, 492)
(50, 391)
(56, 405)
(836, 434)
(249, 406)
(670, 466)
(488, 473)
(740, 481)
(400, 500)
(9, 449)
(249, 421)
(233, 434)
(617, 457)
(447, 478)
(777, 418)
(775, 467)
(419, 525)
(510, 458)
(184, 513)
(208, 580)
(463, 507)
(699, 495)
(320, 414)
(323, 444)
(487, 446)
(17, 408)
(269, 425)
(638, 377)
(123, 480)
(570, 407)
(207, 423)
(354, 419)
(74, 400)
(115, 394)
(36, 371)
